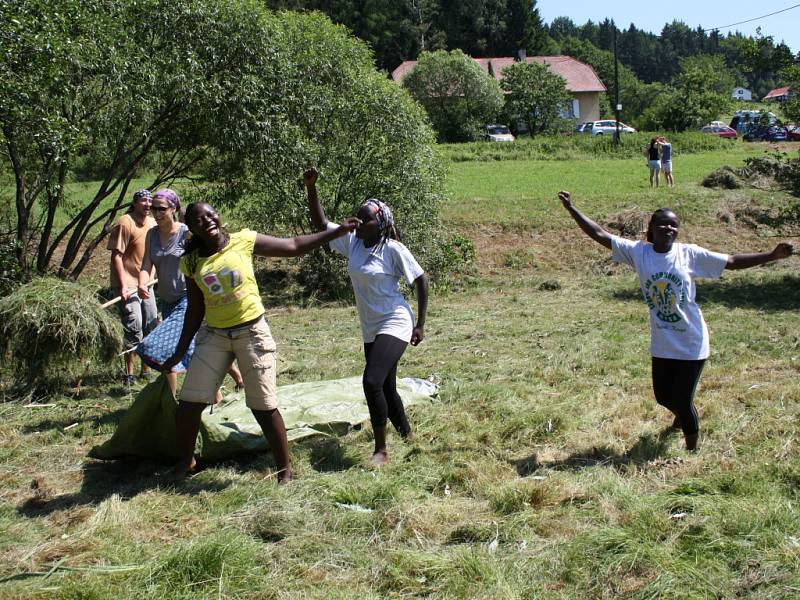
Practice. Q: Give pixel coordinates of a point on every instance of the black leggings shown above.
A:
(674, 383)
(380, 383)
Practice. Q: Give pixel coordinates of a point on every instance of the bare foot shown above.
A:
(380, 458)
(182, 470)
(284, 476)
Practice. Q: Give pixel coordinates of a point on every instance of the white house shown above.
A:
(740, 93)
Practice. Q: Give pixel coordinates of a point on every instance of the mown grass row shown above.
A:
(543, 470)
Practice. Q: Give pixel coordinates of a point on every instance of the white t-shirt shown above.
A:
(376, 274)
(677, 328)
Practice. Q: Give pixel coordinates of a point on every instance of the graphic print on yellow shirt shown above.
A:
(228, 282)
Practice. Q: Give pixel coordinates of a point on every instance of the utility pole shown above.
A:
(617, 105)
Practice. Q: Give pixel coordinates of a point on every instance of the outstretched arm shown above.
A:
(266, 245)
(590, 228)
(745, 261)
(418, 334)
(318, 218)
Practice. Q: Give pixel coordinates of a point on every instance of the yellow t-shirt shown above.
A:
(228, 282)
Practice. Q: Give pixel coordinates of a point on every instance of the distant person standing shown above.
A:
(653, 160)
(127, 244)
(666, 160)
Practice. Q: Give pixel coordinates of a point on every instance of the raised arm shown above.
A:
(421, 284)
(590, 228)
(266, 245)
(195, 312)
(318, 218)
(745, 261)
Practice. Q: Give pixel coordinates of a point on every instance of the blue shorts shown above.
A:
(655, 165)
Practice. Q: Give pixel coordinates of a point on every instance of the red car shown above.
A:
(793, 132)
(722, 131)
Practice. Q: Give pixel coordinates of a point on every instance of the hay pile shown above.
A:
(630, 223)
(725, 177)
(52, 327)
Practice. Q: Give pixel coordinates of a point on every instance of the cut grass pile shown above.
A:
(51, 327)
(543, 470)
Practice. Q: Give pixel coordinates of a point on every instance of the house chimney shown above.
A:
(522, 55)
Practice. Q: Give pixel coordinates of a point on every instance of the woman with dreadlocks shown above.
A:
(678, 334)
(377, 260)
(222, 288)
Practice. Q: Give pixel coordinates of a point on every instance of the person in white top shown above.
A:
(376, 261)
(667, 270)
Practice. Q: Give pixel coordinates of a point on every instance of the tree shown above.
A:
(229, 94)
(120, 81)
(456, 93)
(537, 96)
(701, 93)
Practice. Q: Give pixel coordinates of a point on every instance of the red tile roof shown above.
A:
(579, 77)
(781, 91)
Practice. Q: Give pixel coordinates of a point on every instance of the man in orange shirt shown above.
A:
(127, 244)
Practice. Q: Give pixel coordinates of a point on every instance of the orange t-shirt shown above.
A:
(128, 239)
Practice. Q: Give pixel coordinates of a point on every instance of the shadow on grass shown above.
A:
(124, 478)
(778, 294)
(328, 455)
(648, 447)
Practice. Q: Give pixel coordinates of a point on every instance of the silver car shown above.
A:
(606, 127)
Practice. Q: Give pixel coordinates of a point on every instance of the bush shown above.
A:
(51, 327)
(455, 92)
(366, 136)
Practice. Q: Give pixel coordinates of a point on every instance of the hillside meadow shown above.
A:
(544, 468)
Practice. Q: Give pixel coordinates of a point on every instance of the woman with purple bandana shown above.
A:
(163, 248)
(377, 260)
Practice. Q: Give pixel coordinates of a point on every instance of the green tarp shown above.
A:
(314, 408)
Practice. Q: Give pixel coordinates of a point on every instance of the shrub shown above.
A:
(457, 95)
(367, 137)
(51, 327)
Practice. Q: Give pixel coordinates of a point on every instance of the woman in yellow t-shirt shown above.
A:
(222, 288)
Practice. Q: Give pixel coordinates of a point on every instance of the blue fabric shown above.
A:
(157, 347)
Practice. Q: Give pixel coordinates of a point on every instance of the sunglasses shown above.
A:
(159, 208)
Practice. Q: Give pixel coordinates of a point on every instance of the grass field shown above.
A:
(544, 469)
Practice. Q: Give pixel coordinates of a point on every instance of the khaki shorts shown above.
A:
(253, 348)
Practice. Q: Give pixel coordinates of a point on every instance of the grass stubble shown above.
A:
(543, 470)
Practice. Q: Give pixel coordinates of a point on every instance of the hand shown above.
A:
(173, 360)
(566, 199)
(144, 292)
(125, 293)
(350, 224)
(417, 335)
(310, 177)
(783, 250)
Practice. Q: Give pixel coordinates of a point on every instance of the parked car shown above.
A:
(722, 131)
(498, 133)
(743, 120)
(793, 131)
(761, 133)
(605, 127)
(582, 127)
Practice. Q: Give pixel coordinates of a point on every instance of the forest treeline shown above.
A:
(400, 30)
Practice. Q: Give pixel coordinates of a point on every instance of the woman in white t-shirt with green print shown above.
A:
(376, 262)
(678, 334)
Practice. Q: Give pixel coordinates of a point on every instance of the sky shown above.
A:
(652, 16)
